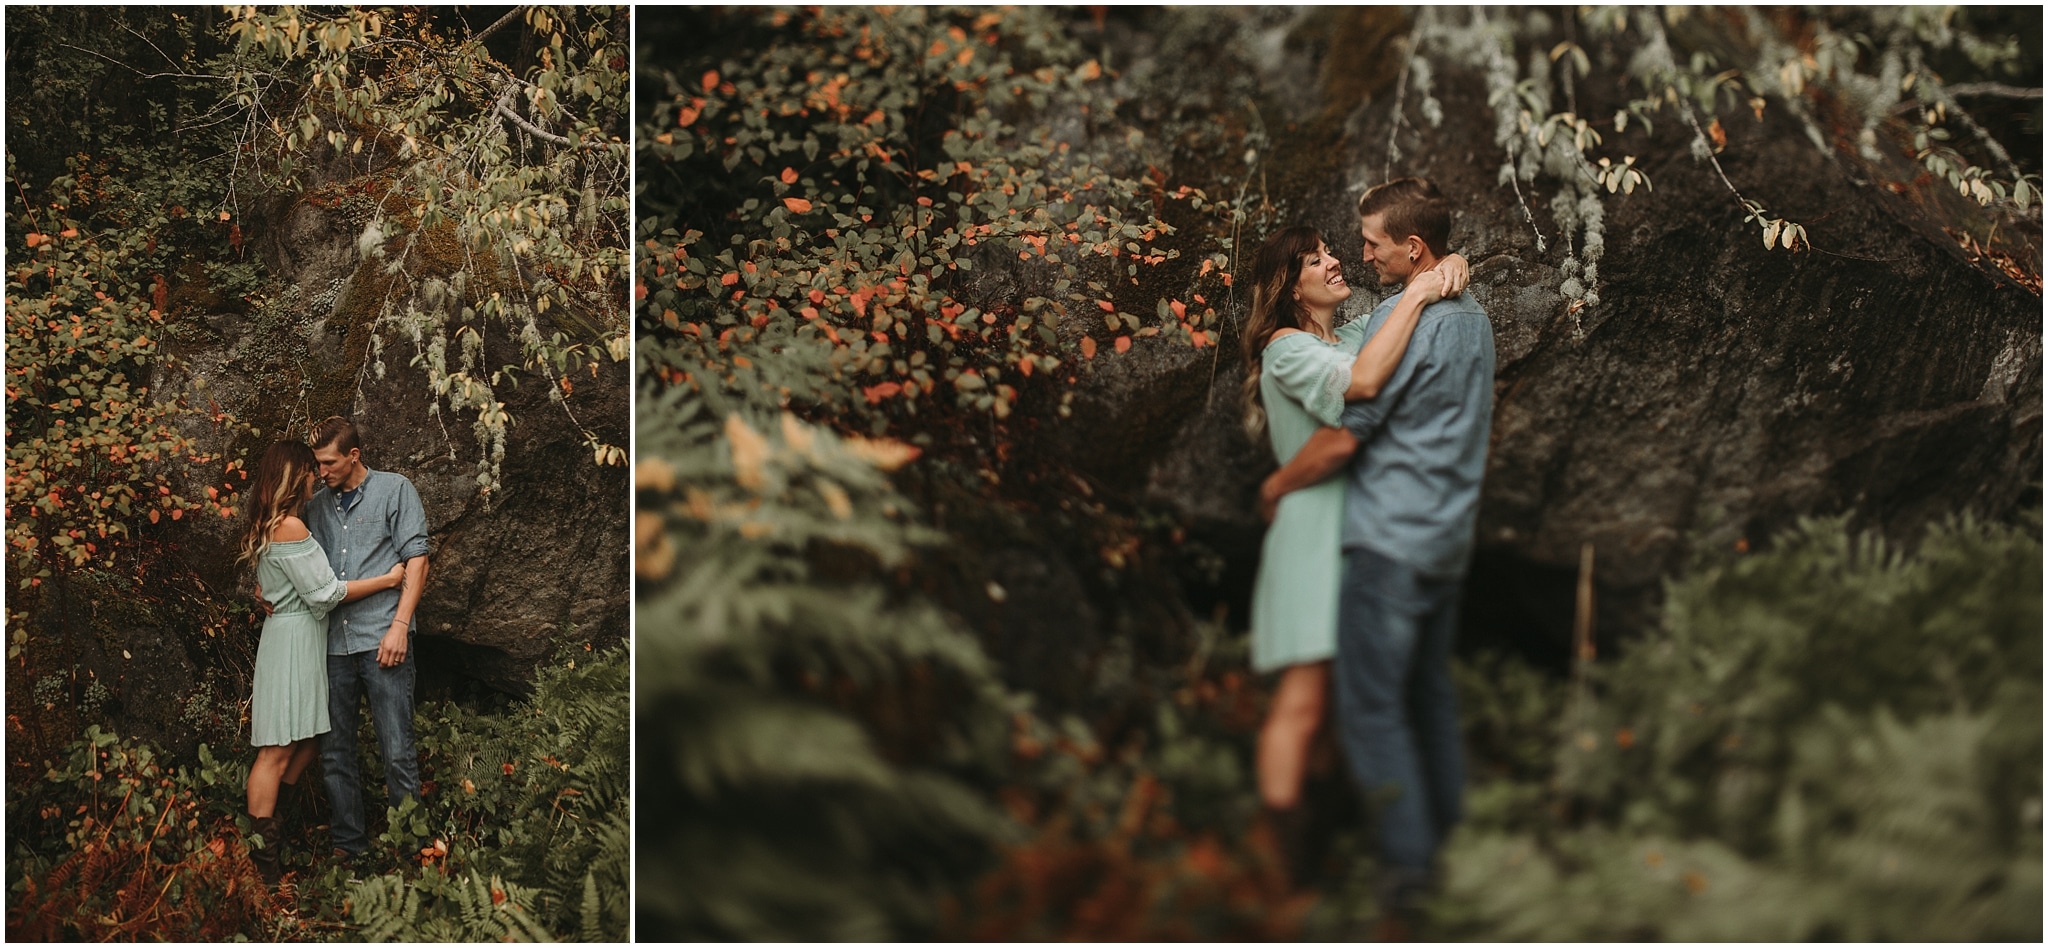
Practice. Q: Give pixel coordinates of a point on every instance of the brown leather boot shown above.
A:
(293, 801)
(266, 858)
(1290, 836)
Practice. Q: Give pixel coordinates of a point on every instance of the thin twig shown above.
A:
(1400, 97)
(1583, 651)
(1997, 89)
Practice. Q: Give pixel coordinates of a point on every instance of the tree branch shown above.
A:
(493, 28)
(503, 107)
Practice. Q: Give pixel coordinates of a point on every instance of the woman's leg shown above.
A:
(302, 754)
(1291, 722)
(264, 776)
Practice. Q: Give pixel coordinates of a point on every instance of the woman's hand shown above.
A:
(396, 578)
(1457, 272)
(1428, 287)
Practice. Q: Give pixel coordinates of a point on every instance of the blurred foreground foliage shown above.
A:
(837, 754)
(1831, 740)
(837, 758)
(521, 834)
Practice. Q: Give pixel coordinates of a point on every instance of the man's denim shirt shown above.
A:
(386, 526)
(1414, 483)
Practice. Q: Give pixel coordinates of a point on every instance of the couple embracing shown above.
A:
(340, 555)
(1359, 584)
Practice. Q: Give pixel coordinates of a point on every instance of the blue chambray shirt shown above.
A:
(386, 526)
(1414, 484)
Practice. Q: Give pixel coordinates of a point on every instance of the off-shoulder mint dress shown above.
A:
(1294, 600)
(288, 701)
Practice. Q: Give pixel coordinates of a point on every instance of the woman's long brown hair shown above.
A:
(1274, 272)
(279, 491)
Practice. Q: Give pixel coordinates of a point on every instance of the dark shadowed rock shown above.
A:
(540, 562)
(1716, 393)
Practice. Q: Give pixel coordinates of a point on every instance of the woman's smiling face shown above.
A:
(1321, 285)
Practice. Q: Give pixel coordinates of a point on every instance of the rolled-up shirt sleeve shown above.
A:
(409, 523)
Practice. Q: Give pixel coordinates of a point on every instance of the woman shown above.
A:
(1299, 373)
(288, 702)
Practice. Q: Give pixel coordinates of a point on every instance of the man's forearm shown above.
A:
(409, 595)
(1325, 452)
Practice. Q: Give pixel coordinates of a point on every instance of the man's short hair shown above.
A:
(1410, 207)
(337, 431)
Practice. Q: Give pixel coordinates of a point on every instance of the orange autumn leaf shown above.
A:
(1720, 135)
(789, 176)
(1107, 306)
(687, 116)
(884, 453)
(711, 80)
(1088, 347)
(730, 278)
(1123, 343)
(875, 393)
(34, 239)
(1025, 365)
(1180, 309)
(797, 205)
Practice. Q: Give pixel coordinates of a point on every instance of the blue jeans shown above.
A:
(390, 694)
(1397, 709)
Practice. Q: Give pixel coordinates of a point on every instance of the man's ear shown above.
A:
(1416, 248)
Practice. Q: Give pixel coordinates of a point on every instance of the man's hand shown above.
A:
(262, 603)
(1322, 455)
(1270, 493)
(391, 649)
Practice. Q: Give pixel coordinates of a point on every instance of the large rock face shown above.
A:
(539, 563)
(1716, 393)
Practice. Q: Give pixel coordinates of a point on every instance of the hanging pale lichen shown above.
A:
(500, 191)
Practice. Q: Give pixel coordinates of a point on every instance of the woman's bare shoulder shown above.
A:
(291, 529)
(1282, 333)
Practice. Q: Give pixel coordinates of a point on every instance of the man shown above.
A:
(1417, 454)
(367, 521)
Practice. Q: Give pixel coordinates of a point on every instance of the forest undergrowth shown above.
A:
(520, 833)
